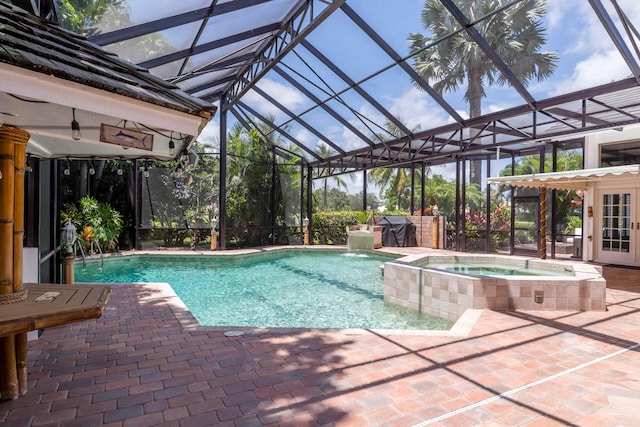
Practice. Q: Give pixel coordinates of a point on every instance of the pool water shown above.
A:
(303, 289)
(484, 270)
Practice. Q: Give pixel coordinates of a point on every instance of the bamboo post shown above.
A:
(8, 367)
(10, 254)
(543, 223)
(20, 164)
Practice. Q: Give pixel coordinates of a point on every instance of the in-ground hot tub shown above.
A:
(447, 285)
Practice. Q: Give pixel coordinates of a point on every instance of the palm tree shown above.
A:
(324, 151)
(397, 178)
(515, 33)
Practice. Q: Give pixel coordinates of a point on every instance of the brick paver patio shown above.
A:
(145, 363)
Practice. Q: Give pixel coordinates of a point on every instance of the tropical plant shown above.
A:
(572, 223)
(260, 171)
(97, 222)
(77, 15)
(332, 200)
(449, 58)
(364, 217)
(393, 182)
(499, 226)
(324, 151)
(438, 191)
(566, 160)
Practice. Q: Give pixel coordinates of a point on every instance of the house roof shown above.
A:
(51, 75)
(39, 45)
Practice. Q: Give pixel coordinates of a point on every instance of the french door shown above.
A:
(617, 226)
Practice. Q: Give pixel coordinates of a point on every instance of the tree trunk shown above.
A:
(475, 109)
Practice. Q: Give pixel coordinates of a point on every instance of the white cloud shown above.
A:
(350, 141)
(304, 137)
(415, 107)
(599, 68)
(493, 108)
(575, 20)
(462, 113)
(210, 135)
(285, 95)
(587, 46)
(556, 11)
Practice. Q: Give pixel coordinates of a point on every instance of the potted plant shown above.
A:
(363, 219)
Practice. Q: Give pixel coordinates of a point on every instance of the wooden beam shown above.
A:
(543, 223)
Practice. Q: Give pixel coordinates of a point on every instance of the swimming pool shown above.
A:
(305, 288)
(495, 270)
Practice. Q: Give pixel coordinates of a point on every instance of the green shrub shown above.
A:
(573, 222)
(95, 221)
(330, 228)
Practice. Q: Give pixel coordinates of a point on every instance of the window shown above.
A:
(620, 154)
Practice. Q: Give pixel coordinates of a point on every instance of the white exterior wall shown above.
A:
(592, 161)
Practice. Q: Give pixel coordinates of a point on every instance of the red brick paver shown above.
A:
(139, 365)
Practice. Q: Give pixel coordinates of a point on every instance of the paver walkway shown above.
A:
(138, 366)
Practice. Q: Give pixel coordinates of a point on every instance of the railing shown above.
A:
(94, 243)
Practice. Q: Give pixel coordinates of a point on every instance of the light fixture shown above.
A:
(172, 147)
(119, 171)
(68, 236)
(305, 222)
(214, 223)
(29, 168)
(92, 170)
(67, 170)
(145, 170)
(75, 127)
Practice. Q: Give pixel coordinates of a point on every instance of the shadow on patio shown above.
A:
(138, 365)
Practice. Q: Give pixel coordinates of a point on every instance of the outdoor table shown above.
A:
(49, 305)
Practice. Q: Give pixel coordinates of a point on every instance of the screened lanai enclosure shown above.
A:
(351, 105)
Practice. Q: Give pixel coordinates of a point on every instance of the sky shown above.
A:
(587, 57)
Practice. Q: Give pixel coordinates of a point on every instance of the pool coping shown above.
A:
(226, 253)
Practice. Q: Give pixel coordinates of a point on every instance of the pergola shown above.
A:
(340, 59)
